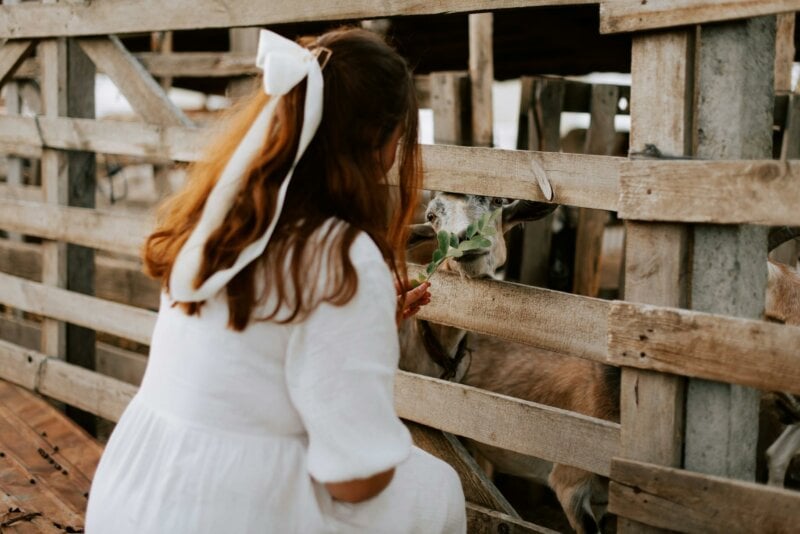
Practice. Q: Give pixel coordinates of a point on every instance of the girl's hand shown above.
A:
(415, 299)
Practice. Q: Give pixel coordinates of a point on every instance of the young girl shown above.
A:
(267, 405)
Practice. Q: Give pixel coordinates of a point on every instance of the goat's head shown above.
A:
(455, 212)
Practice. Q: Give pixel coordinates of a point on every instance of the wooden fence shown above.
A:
(655, 456)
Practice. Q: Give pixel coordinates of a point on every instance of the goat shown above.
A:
(541, 376)
(510, 369)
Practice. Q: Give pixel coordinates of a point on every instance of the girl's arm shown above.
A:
(354, 491)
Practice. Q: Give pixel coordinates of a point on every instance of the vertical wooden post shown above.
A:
(243, 40)
(600, 139)
(651, 404)
(790, 149)
(81, 183)
(451, 110)
(539, 128)
(53, 61)
(481, 74)
(13, 107)
(734, 118)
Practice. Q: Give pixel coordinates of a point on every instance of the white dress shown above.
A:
(235, 432)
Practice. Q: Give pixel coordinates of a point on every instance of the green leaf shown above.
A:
(437, 256)
(489, 230)
(453, 240)
(482, 242)
(495, 215)
(431, 268)
(472, 229)
(471, 244)
(443, 238)
(454, 253)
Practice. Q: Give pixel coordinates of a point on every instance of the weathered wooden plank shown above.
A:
(25, 193)
(481, 520)
(635, 15)
(33, 20)
(577, 179)
(521, 426)
(67, 482)
(734, 97)
(551, 320)
(36, 496)
(481, 75)
(478, 488)
(140, 89)
(784, 51)
(117, 319)
(117, 280)
(600, 139)
(59, 432)
(110, 137)
(683, 501)
(651, 404)
(87, 227)
(723, 192)
(199, 64)
(55, 180)
(450, 102)
(12, 54)
(755, 353)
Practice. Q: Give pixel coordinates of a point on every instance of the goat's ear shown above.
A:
(419, 233)
(525, 210)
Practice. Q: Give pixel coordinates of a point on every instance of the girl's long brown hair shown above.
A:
(369, 93)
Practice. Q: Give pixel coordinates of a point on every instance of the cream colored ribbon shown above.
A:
(285, 64)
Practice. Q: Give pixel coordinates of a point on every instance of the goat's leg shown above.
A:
(780, 454)
(573, 488)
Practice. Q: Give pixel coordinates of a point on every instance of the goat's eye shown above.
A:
(498, 202)
(430, 216)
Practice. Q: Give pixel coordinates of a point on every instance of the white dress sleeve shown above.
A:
(340, 369)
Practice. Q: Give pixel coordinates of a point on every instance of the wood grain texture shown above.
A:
(482, 520)
(65, 382)
(80, 449)
(763, 192)
(524, 427)
(651, 404)
(683, 501)
(481, 75)
(577, 179)
(478, 488)
(548, 319)
(115, 279)
(451, 108)
(199, 64)
(12, 54)
(117, 319)
(82, 226)
(635, 15)
(137, 85)
(25, 193)
(118, 16)
(715, 347)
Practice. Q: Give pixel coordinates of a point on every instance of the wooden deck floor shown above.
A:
(46, 465)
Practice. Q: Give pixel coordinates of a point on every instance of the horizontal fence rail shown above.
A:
(637, 15)
(723, 192)
(121, 16)
(727, 192)
(683, 501)
(524, 427)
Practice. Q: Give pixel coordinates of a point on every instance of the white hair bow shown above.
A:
(285, 64)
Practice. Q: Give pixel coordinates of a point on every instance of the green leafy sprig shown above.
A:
(449, 245)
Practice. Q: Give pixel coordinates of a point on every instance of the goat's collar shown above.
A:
(439, 355)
